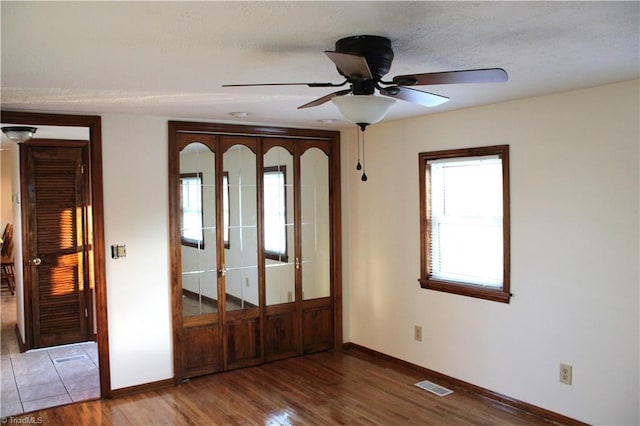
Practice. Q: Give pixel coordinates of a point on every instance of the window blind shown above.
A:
(466, 220)
(275, 210)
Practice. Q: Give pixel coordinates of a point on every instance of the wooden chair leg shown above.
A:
(8, 275)
(12, 281)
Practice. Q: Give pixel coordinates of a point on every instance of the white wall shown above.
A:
(135, 164)
(574, 271)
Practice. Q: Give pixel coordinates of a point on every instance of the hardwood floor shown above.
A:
(320, 389)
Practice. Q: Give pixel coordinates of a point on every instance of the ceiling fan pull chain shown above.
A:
(364, 166)
(358, 166)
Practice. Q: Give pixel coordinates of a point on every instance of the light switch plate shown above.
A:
(118, 251)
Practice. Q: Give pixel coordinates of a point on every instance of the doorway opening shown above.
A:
(86, 352)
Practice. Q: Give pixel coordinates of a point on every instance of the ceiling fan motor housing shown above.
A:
(375, 49)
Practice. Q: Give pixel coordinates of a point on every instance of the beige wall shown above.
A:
(574, 230)
(10, 200)
(6, 168)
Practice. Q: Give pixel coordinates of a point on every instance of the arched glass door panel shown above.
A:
(241, 249)
(279, 232)
(198, 230)
(315, 227)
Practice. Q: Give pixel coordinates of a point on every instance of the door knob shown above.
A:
(36, 261)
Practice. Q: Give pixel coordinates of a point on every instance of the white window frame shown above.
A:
(275, 213)
(226, 210)
(191, 231)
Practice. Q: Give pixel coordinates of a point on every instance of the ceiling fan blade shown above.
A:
(350, 65)
(325, 98)
(413, 95)
(487, 75)
(286, 84)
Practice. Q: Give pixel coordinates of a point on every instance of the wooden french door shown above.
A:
(195, 241)
(220, 319)
(299, 305)
(255, 244)
(56, 269)
(240, 260)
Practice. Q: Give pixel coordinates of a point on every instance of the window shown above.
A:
(225, 208)
(464, 212)
(191, 210)
(275, 213)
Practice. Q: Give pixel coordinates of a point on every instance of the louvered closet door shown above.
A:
(57, 244)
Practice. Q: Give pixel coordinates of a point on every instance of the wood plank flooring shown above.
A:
(321, 389)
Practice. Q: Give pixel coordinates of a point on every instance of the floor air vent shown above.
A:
(69, 358)
(433, 388)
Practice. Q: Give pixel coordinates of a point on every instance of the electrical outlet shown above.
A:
(566, 374)
(290, 296)
(417, 333)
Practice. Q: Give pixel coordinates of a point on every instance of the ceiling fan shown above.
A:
(364, 59)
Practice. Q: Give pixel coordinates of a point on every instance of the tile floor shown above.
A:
(43, 377)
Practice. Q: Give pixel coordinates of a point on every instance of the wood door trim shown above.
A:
(176, 144)
(94, 124)
(335, 223)
(297, 244)
(26, 272)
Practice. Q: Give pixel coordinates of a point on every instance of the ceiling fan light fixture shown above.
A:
(363, 109)
(19, 134)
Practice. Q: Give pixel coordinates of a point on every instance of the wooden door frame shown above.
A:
(94, 124)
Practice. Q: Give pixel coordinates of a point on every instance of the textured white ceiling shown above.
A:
(170, 58)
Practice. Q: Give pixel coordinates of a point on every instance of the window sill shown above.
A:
(465, 290)
(192, 243)
(276, 256)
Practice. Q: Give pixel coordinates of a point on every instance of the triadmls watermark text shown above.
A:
(26, 420)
